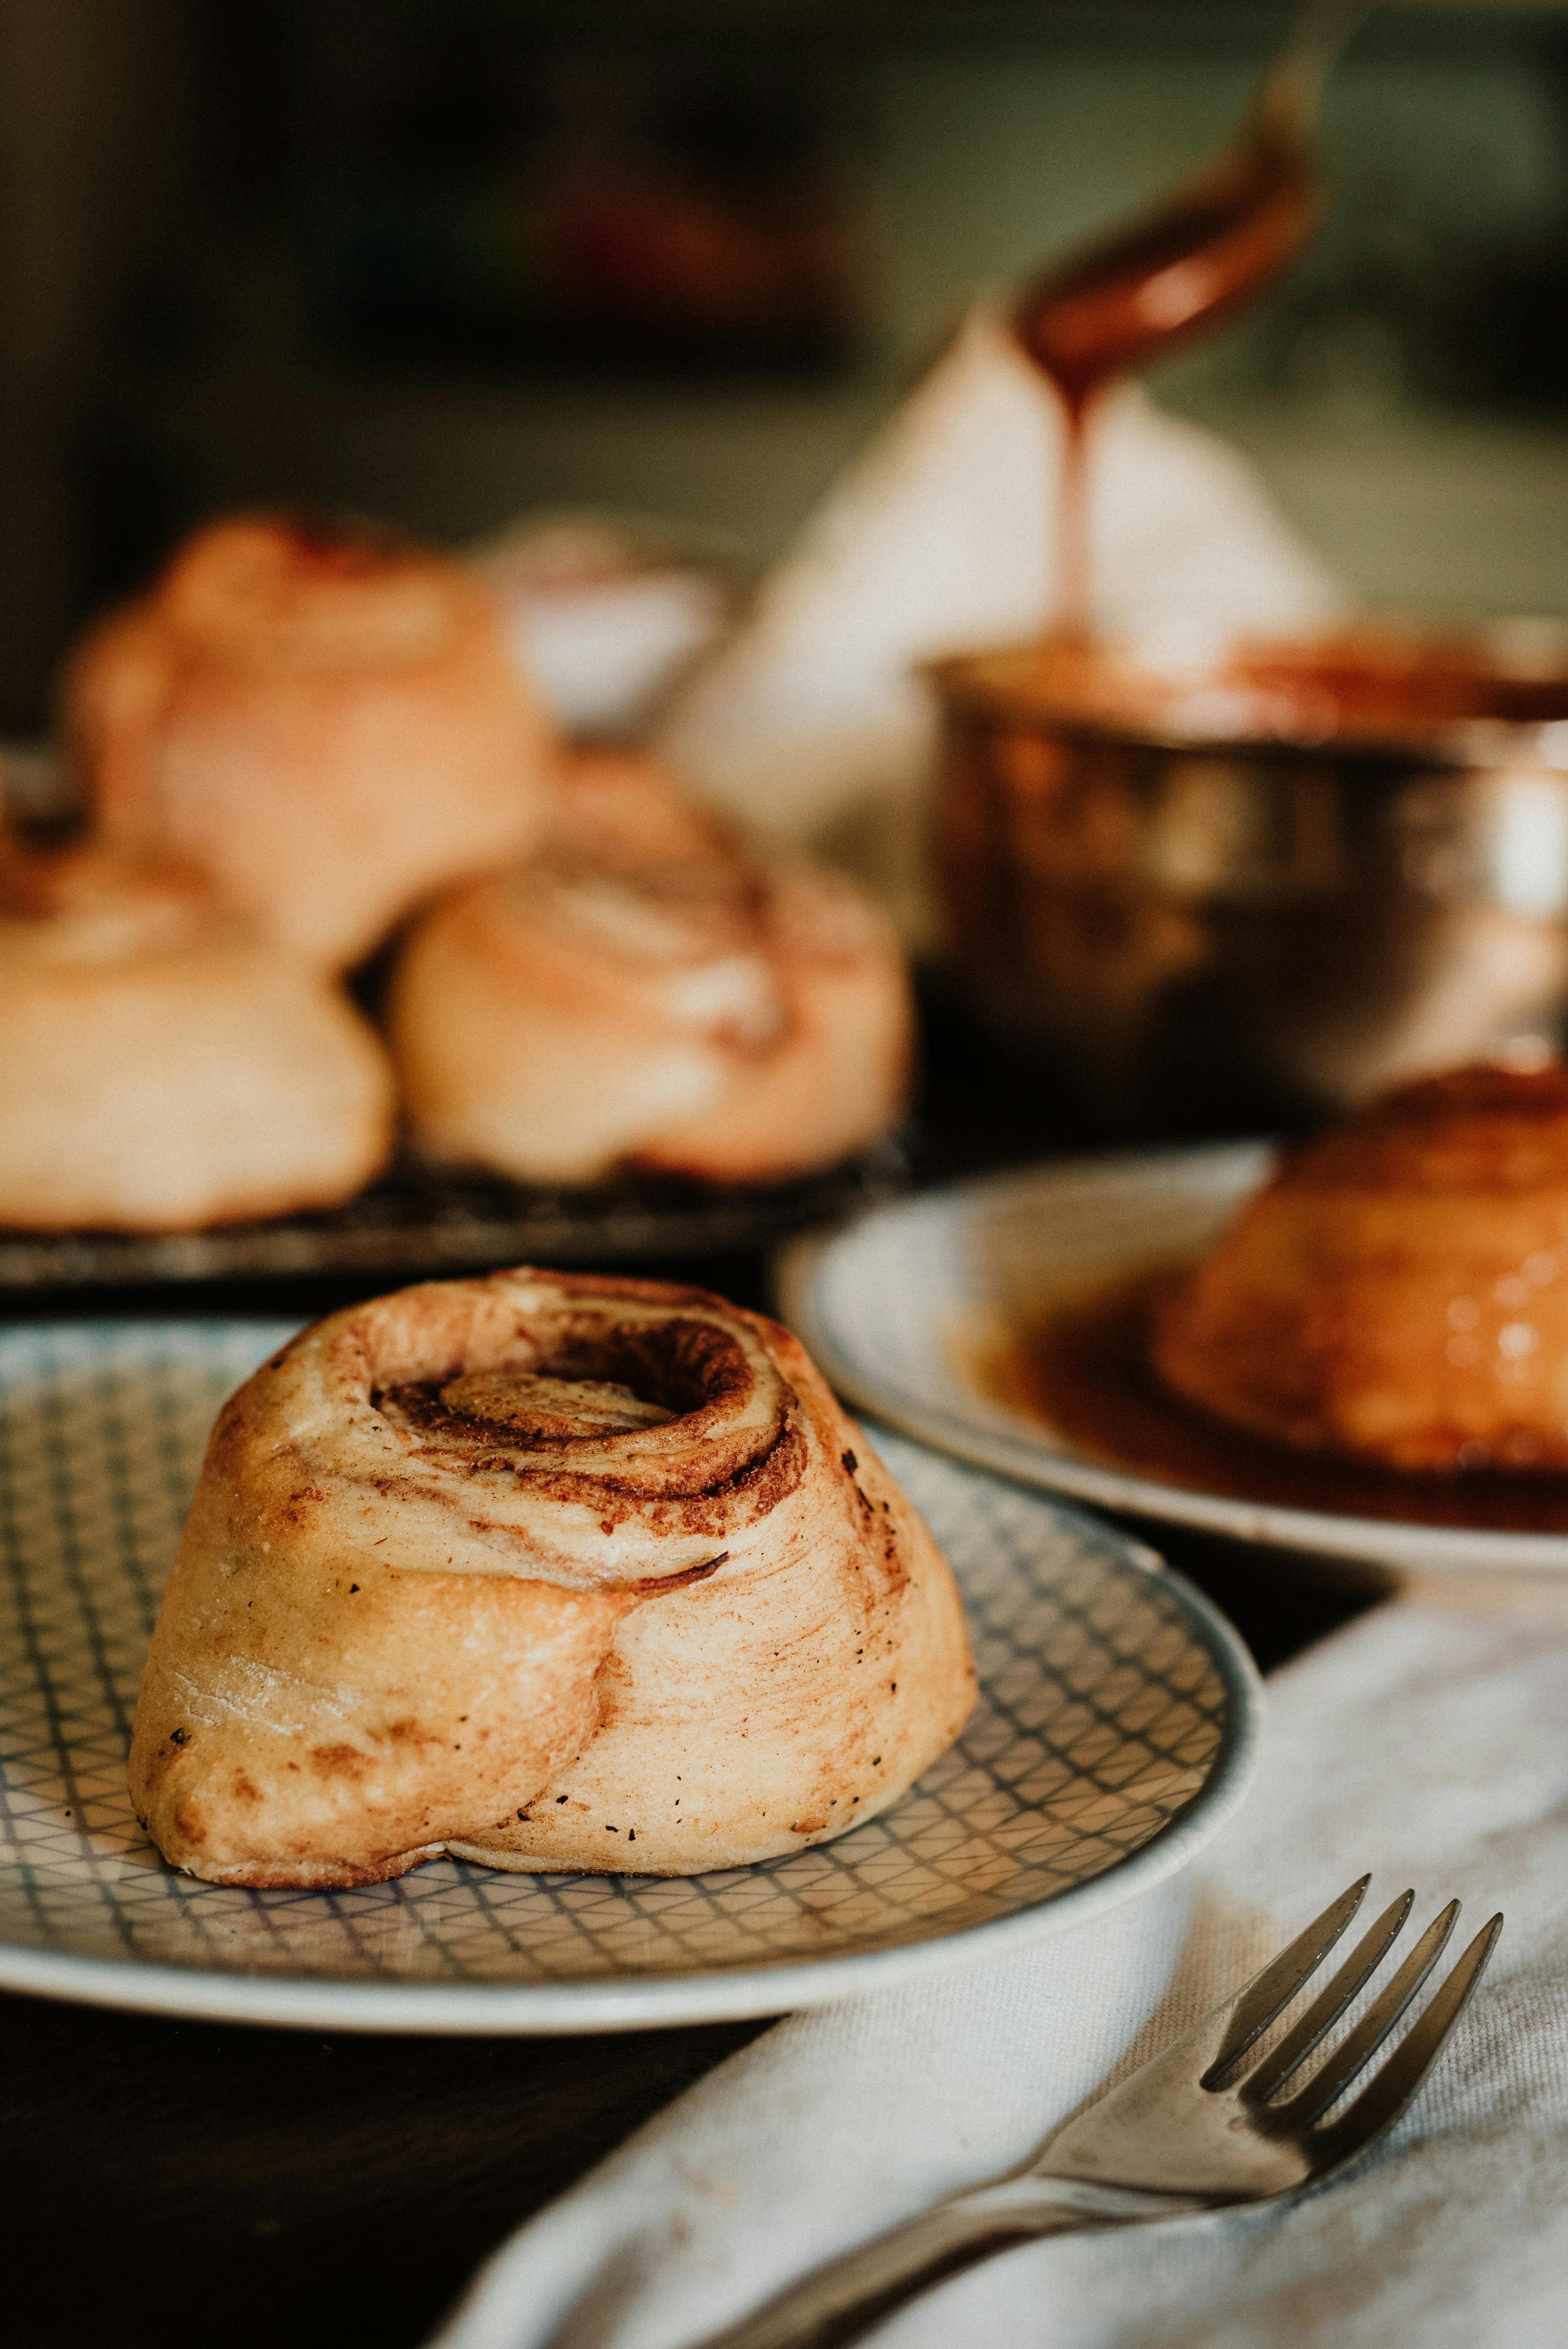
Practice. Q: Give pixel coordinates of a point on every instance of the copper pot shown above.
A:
(1236, 902)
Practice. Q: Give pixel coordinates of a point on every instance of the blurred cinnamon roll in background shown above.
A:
(326, 722)
(160, 1071)
(648, 991)
(548, 1571)
(1399, 1291)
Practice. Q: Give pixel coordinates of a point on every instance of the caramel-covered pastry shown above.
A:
(326, 723)
(158, 1071)
(546, 1571)
(646, 991)
(1398, 1292)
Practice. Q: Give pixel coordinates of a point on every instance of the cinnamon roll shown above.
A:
(648, 991)
(327, 723)
(159, 1071)
(546, 1571)
(1399, 1291)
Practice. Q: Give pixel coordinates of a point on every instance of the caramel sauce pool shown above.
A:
(1080, 1368)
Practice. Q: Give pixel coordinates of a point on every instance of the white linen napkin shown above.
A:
(811, 719)
(1428, 1742)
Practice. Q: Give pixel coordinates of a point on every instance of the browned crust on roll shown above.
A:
(1399, 1291)
(163, 1071)
(326, 722)
(647, 990)
(408, 1603)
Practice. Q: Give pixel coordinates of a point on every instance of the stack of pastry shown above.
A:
(299, 741)
(543, 1572)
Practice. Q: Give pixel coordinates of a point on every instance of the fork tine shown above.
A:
(1357, 2050)
(1272, 1991)
(1325, 2009)
(1386, 2096)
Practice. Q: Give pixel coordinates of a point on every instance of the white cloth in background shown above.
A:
(810, 718)
(602, 614)
(1429, 1742)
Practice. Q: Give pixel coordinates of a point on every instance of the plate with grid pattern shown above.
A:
(1114, 1731)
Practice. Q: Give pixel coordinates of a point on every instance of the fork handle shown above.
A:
(840, 2304)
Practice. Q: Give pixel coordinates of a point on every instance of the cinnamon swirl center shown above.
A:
(650, 1392)
(523, 1408)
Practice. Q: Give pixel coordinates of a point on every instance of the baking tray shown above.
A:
(420, 1219)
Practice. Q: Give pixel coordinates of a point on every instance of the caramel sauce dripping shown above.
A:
(1135, 295)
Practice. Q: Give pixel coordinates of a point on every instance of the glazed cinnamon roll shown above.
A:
(328, 724)
(546, 1571)
(1399, 1291)
(647, 991)
(159, 1071)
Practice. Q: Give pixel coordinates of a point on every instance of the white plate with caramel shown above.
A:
(1358, 1347)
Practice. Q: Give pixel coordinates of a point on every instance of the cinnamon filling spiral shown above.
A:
(649, 991)
(596, 1432)
(530, 1405)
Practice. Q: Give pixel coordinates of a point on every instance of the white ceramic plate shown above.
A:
(883, 1306)
(1114, 1734)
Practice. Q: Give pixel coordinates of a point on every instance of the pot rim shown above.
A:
(1478, 743)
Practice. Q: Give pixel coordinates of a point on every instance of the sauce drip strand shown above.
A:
(1188, 264)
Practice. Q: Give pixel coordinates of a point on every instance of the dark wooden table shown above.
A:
(163, 2180)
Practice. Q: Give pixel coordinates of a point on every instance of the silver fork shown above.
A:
(1195, 2128)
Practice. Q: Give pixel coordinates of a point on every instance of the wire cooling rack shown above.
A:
(425, 1219)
